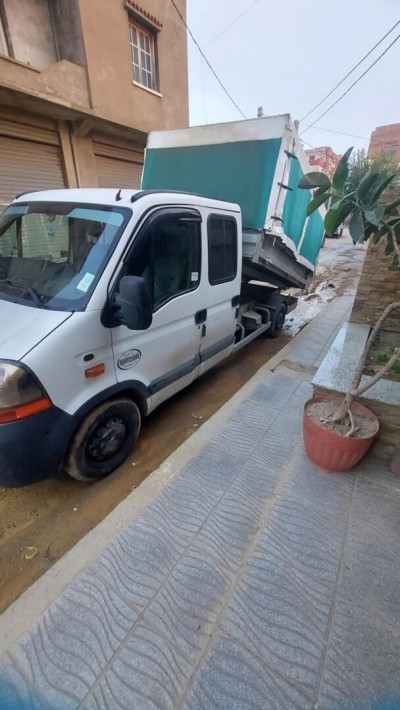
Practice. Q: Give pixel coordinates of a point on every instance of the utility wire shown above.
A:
(313, 146)
(352, 135)
(350, 72)
(206, 60)
(232, 23)
(352, 85)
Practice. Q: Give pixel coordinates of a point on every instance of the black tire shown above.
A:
(103, 441)
(277, 324)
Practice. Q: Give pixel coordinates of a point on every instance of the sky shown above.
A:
(286, 55)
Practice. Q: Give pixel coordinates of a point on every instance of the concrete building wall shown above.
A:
(107, 45)
(379, 285)
(31, 32)
(95, 36)
(60, 80)
(68, 31)
(70, 71)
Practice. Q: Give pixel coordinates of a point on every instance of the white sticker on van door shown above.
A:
(84, 284)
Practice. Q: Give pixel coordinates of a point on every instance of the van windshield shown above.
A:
(53, 254)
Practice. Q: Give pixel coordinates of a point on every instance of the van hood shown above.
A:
(23, 327)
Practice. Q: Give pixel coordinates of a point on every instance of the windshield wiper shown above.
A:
(35, 295)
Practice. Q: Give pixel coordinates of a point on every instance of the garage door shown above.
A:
(27, 166)
(118, 167)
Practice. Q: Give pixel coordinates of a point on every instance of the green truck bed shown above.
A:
(256, 164)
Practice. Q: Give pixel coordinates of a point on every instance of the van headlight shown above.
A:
(21, 395)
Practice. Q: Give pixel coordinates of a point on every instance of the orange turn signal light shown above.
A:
(25, 410)
(96, 370)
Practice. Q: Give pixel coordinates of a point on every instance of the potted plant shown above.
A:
(339, 431)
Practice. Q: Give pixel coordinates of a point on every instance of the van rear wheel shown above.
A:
(103, 441)
(278, 322)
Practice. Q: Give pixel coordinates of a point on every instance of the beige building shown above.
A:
(323, 160)
(81, 84)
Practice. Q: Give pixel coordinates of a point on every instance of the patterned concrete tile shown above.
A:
(253, 580)
(233, 677)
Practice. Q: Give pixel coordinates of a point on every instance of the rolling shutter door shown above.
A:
(117, 167)
(28, 165)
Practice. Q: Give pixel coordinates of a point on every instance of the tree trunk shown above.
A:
(341, 413)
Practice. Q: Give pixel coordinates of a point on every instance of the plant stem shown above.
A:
(346, 405)
(394, 239)
(379, 375)
(353, 426)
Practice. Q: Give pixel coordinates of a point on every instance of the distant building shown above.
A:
(386, 139)
(81, 84)
(323, 160)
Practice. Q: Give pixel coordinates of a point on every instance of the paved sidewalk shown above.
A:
(246, 578)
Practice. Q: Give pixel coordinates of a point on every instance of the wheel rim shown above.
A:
(106, 440)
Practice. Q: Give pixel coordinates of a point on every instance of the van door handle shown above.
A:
(201, 316)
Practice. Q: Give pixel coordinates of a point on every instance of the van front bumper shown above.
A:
(33, 448)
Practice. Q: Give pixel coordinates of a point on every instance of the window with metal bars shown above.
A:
(143, 57)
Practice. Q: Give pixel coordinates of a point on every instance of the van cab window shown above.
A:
(52, 255)
(222, 249)
(167, 254)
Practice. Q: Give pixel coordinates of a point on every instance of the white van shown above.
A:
(110, 302)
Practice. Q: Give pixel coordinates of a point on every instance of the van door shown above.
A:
(167, 254)
(223, 289)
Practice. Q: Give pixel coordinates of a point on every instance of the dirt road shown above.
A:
(45, 520)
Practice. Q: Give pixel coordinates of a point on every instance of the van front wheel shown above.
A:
(103, 440)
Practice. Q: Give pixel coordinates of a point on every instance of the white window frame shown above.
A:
(143, 51)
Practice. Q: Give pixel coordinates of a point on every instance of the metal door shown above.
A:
(167, 254)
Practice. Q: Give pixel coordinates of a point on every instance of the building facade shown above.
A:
(386, 139)
(323, 160)
(81, 84)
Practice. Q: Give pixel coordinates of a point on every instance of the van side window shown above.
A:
(222, 249)
(168, 257)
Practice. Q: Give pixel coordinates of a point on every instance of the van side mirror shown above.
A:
(133, 302)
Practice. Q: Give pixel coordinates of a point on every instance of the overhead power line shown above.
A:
(206, 60)
(350, 72)
(352, 135)
(352, 85)
(228, 27)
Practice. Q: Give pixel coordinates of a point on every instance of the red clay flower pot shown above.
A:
(331, 451)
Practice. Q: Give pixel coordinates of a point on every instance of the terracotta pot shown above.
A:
(330, 451)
